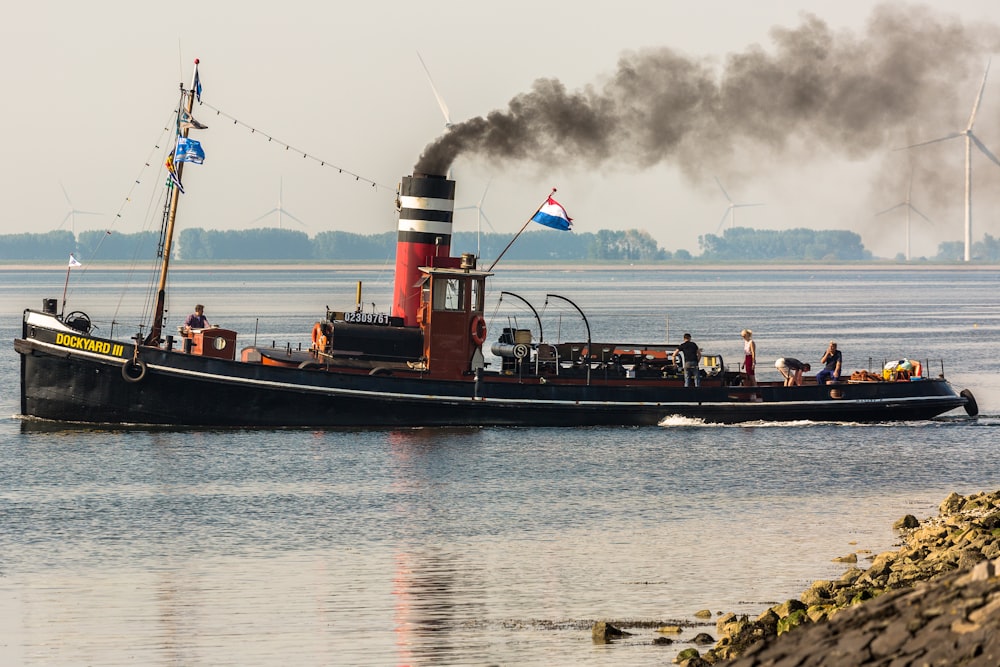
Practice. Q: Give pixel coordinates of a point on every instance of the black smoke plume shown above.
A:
(816, 90)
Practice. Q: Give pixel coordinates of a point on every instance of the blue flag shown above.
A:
(197, 84)
(189, 150)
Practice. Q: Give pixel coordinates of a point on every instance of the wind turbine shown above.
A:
(279, 210)
(482, 215)
(731, 209)
(440, 101)
(909, 207)
(72, 213)
(970, 139)
(437, 96)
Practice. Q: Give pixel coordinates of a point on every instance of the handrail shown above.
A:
(585, 322)
(538, 320)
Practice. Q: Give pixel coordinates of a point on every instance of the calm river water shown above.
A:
(494, 546)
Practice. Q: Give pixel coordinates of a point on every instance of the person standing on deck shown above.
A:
(690, 354)
(749, 356)
(197, 319)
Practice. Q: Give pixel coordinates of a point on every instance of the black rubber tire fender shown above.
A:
(971, 407)
(134, 370)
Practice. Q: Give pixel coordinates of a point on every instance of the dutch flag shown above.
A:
(552, 214)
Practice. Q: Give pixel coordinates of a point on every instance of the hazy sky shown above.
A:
(794, 105)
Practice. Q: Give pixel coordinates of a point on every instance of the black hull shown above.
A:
(178, 389)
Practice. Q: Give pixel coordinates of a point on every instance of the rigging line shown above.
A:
(159, 145)
(322, 163)
(157, 201)
(128, 199)
(496, 309)
(136, 182)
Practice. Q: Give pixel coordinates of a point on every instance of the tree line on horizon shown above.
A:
(745, 244)
(284, 244)
(737, 244)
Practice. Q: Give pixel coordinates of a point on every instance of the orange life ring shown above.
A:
(478, 330)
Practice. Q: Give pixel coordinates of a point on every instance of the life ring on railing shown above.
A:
(478, 330)
(134, 370)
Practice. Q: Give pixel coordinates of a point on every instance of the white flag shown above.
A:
(73, 261)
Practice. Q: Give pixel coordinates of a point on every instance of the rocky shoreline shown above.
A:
(934, 601)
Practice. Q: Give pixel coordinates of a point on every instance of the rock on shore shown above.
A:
(953, 620)
(935, 601)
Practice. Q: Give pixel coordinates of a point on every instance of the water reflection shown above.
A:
(430, 603)
(163, 546)
(427, 615)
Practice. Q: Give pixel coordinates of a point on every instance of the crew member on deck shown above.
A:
(832, 359)
(690, 354)
(749, 356)
(196, 320)
(791, 369)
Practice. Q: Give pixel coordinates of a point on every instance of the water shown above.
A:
(475, 546)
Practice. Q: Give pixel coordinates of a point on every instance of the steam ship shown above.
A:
(421, 364)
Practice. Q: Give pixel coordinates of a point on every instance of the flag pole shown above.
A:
(523, 227)
(69, 265)
(65, 287)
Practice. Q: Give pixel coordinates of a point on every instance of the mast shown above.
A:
(157, 326)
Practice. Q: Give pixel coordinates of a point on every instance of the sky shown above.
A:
(635, 111)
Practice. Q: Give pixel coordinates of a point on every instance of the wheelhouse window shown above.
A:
(477, 295)
(448, 294)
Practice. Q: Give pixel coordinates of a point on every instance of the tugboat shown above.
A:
(421, 364)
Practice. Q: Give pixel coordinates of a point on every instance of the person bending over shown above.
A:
(791, 369)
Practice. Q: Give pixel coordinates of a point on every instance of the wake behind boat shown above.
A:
(420, 364)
